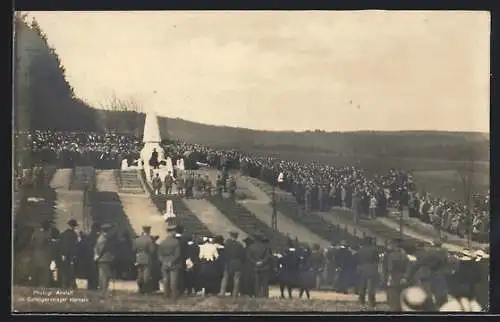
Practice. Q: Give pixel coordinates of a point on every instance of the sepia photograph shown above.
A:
(251, 161)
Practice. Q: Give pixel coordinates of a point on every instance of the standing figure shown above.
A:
(144, 250)
(156, 184)
(234, 258)
(259, 256)
(41, 242)
(397, 266)
(104, 255)
(169, 254)
(232, 188)
(367, 262)
(169, 181)
(67, 247)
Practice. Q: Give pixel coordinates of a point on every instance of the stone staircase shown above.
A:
(106, 181)
(107, 208)
(246, 221)
(128, 182)
(81, 177)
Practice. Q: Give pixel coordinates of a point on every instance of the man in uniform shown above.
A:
(247, 282)
(317, 262)
(144, 250)
(397, 265)
(259, 257)
(169, 181)
(219, 185)
(367, 268)
(42, 255)
(232, 188)
(67, 247)
(104, 255)
(156, 184)
(169, 254)
(234, 256)
(88, 254)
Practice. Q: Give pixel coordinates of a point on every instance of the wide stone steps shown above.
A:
(246, 221)
(128, 182)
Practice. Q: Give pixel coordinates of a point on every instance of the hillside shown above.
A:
(45, 100)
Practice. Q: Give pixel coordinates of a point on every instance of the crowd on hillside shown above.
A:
(317, 187)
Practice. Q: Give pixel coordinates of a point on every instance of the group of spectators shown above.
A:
(316, 187)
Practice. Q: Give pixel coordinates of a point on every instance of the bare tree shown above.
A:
(121, 115)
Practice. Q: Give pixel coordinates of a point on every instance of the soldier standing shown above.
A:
(234, 257)
(367, 268)
(397, 265)
(156, 184)
(259, 257)
(169, 254)
(67, 247)
(219, 185)
(42, 255)
(247, 285)
(232, 188)
(104, 256)
(144, 250)
(169, 181)
(317, 262)
(88, 254)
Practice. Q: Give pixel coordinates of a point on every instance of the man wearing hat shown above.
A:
(104, 254)
(144, 250)
(259, 257)
(169, 253)
(234, 258)
(367, 259)
(66, 257)
(397, 266)
(41, 242)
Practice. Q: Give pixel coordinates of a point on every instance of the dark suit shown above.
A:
(104, 256)
(367, 259)
(259, 258)
(169, 254)
(397, 265)
(234, 257)
(144, 251)
(42, 255)
(67, 247)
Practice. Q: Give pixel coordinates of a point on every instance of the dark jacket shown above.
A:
(169, 253)
(67, 244)
(367, 261)
(234, 255)
(397, 266)
(42, 247)
(144, 250)
(259, 256)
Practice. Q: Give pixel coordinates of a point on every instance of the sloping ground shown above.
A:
(61, 179)
(106, 180)
(25, 301)
(81, 177)
(246, 221)
(212, 218)
(141, 211)
(107, 208)
(314, 223)
(128, 182)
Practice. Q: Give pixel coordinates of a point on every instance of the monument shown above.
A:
(151, 139)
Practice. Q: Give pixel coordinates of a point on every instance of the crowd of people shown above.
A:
(316, 187)
(213, 265)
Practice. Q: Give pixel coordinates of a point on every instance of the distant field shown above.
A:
(447, 183)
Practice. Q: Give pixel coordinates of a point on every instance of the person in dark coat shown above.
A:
(192, 267)
(92, 273)
(288, 269)
(342, 260)
(144, 249)
(397, 266)
(367, 260)
(234, 258)
(104, 255)
(169, 254)
(41, 242)
(259, 256)
(153, 161)
(156, 183)
(155, 267)
(317, 263)
(247, 282)
(66, 248)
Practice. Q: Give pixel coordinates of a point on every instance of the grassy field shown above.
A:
(26, 299)
(447, 183)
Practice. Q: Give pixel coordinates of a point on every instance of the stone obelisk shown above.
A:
(151, 139)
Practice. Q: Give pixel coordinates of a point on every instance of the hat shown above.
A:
(248, 240)
(72, 223)
(233, 234)
(146, 228)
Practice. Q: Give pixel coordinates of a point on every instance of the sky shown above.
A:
(284, 70)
